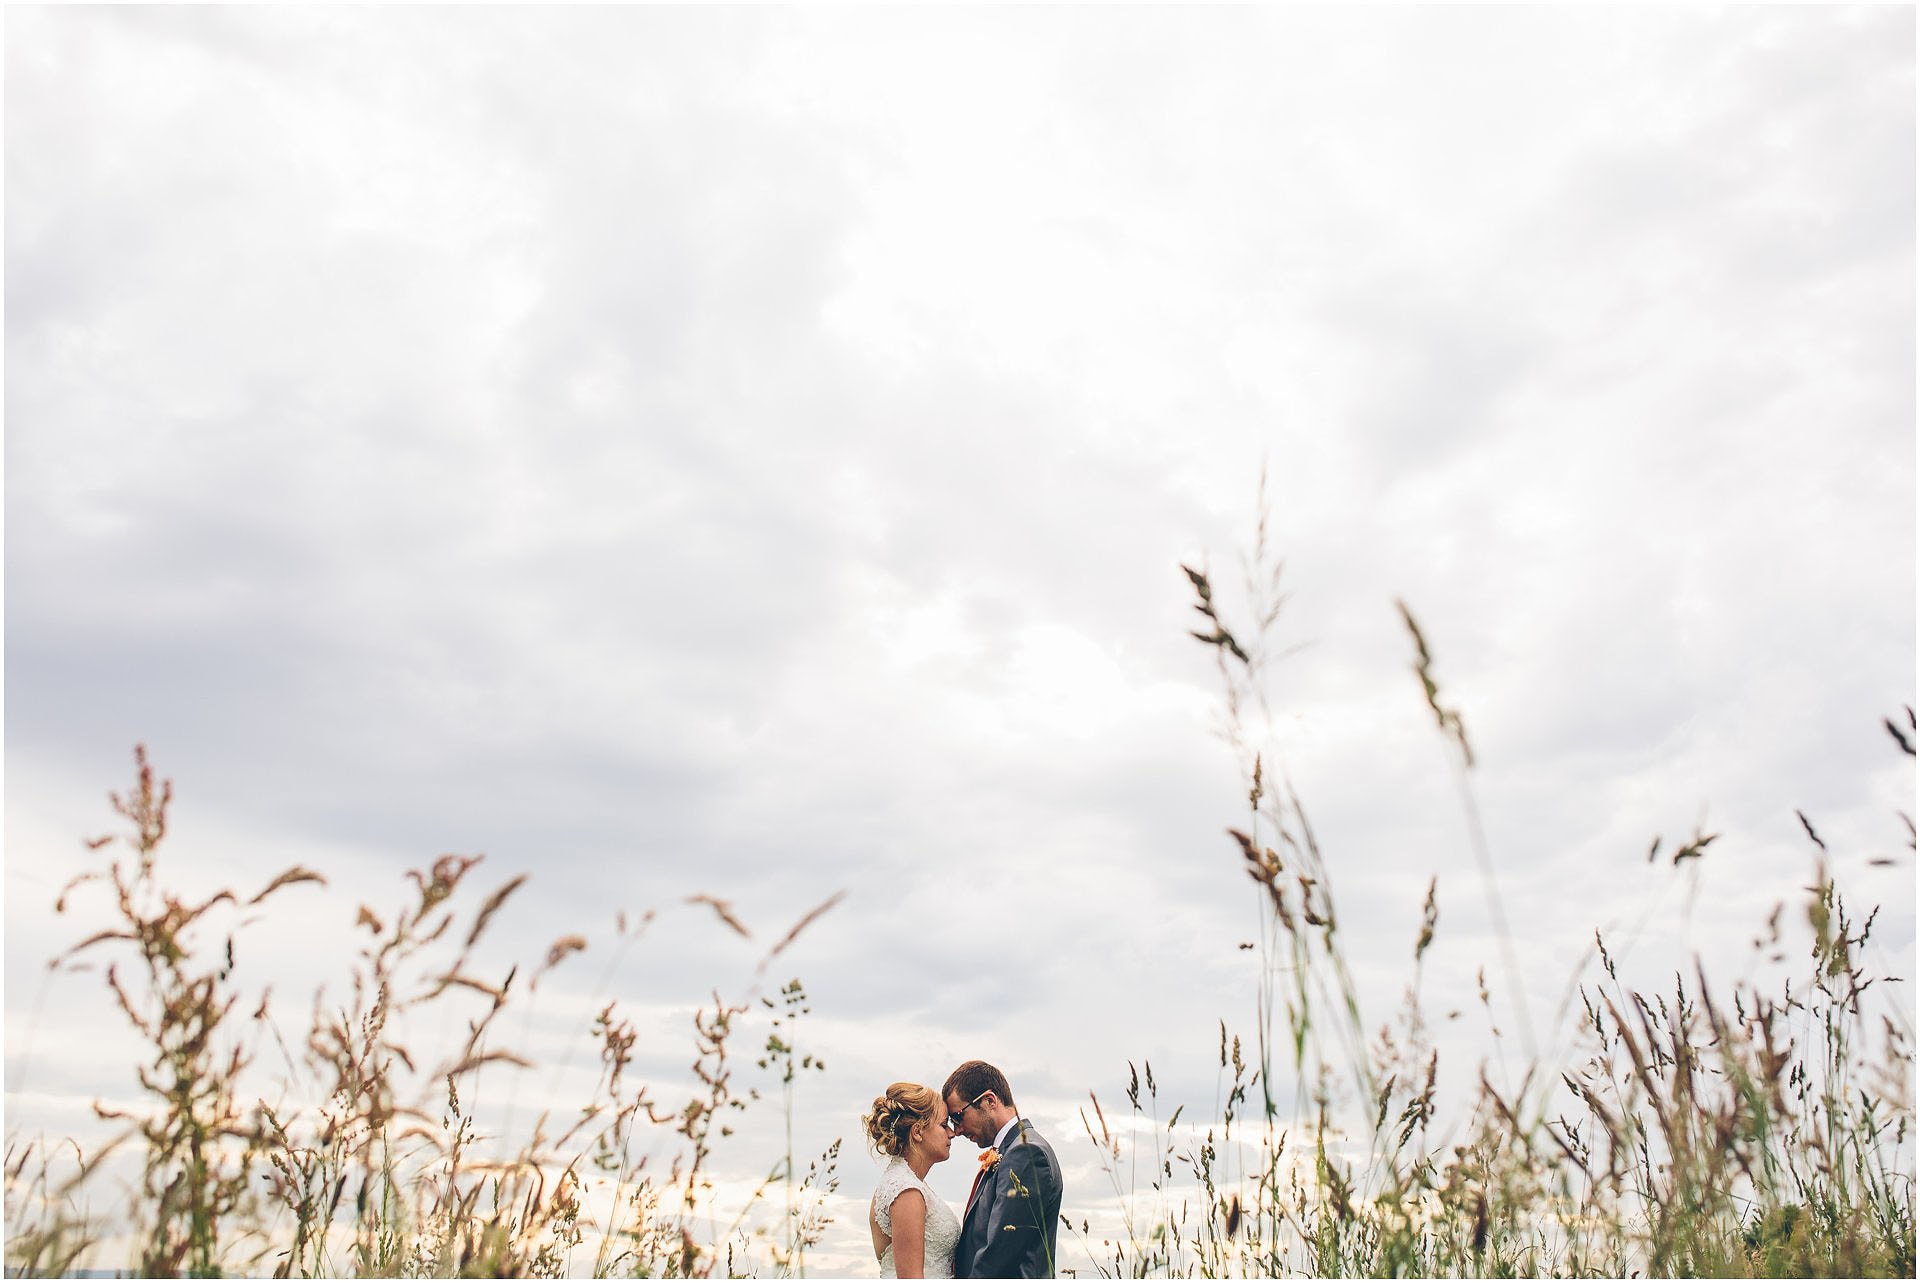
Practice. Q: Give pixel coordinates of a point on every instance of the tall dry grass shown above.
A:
(1705, 1128)
(371, 1157)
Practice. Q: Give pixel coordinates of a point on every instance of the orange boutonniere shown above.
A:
(989, 1157)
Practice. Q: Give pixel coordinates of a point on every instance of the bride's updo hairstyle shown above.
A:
(894, 1116)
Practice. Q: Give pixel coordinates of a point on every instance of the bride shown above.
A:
(914, 1232)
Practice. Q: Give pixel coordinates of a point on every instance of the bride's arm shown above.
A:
(910, 1235)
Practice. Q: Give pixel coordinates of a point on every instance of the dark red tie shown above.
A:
(977, 1178)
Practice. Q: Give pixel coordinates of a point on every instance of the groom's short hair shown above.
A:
(975, 1078)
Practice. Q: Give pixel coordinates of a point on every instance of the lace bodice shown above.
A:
(943, 1227)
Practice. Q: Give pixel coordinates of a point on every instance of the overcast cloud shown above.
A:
(752, 452)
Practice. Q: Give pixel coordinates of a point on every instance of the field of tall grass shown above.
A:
(374, 1157)
(1709, 1127)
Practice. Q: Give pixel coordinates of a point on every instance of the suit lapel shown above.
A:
(985, 1175)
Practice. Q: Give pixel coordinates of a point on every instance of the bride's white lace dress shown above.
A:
(943, 1227)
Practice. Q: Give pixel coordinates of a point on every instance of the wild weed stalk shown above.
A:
(1700, 1128)
(349, 1168)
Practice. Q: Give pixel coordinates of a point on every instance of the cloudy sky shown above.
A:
(752, 453)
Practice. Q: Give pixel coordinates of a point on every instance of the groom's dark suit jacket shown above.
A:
(1013, 1223)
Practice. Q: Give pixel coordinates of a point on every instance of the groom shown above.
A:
(1013, 1215)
